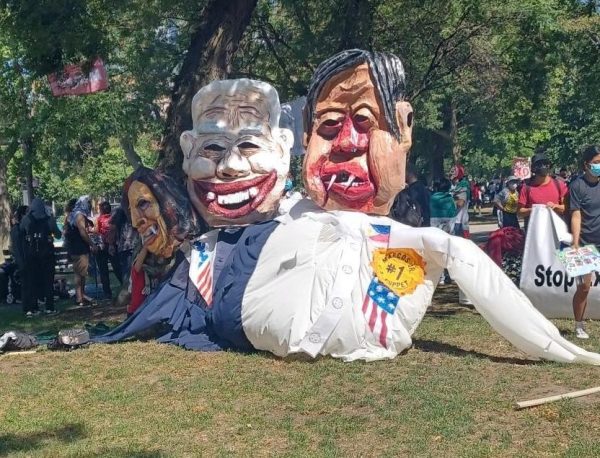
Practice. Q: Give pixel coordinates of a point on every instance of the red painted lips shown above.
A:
(235, 199)
(352, 185)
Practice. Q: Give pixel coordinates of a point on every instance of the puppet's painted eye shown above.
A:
(214, 147)
(247, 145)
(143, 204)
(362, 123)
(330, 126)
(248, 148)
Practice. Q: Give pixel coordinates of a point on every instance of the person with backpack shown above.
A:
(584, 202)
(541, 188)
(418, 193)
(37, 238)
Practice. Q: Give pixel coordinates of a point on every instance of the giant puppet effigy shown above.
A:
(335, 276)
(236, 157)
(236, 160)
(167, 308)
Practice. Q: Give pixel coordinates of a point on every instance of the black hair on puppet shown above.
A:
(386, 71)
(174, 204)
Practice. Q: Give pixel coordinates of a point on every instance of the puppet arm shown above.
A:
(494, 295)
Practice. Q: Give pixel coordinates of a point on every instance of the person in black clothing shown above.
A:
(419, 193)
(37, 230)
(16, 245)
(15, 269)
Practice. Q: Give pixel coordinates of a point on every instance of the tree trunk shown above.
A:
(437, 156)
(213, 44)
(446, 142)
(4, 210)
(357, 24)
(28, 169)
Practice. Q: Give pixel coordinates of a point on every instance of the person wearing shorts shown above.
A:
(81, 264)
(584, 196)
(79, 247)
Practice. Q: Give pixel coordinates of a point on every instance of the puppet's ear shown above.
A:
(404, 115)
(187, 141)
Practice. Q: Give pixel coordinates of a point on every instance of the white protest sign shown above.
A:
(543, 277)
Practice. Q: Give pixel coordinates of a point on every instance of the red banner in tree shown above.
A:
(73, 81)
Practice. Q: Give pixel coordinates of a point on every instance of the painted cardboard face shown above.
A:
(352, 160)
(148, 221)
(236, 158)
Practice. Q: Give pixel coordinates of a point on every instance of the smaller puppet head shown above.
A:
(357, 132)
(159, 210)
(237, 157)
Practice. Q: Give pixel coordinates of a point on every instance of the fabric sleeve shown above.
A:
(564, 191)
(500, 198)
(137, 286)
(574, 197)
(54, 229)
(496, 298)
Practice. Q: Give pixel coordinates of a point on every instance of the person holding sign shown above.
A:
(541, 188)
(584, 196)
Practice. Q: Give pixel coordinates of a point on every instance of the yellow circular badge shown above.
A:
(400, 269)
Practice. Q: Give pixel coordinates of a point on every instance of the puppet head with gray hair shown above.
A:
(236, 157)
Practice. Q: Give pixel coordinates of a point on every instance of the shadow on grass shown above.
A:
(69, 316)
(431, 346)
(32, 441)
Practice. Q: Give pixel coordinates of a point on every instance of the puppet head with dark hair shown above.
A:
(357, 132)
(159, 210)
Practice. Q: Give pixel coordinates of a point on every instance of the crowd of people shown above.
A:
(110, 238)
(575, 197)
(88, 240)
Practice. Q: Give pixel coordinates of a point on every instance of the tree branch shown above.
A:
(132, 156)
(278, 59)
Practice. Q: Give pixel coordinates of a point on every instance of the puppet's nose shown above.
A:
(349, 140)
(233, 165)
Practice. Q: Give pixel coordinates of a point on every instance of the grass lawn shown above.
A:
(450, 395)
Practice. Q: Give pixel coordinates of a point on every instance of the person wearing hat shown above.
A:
(541, 188)
(507, 202)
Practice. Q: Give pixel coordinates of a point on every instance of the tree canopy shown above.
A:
(488, 80)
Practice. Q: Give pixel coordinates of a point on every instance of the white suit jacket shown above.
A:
(316, 290)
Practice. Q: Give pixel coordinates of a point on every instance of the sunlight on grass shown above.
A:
(451, 395)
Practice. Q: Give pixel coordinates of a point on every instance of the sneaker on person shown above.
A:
(29, 314)
(580, 333)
